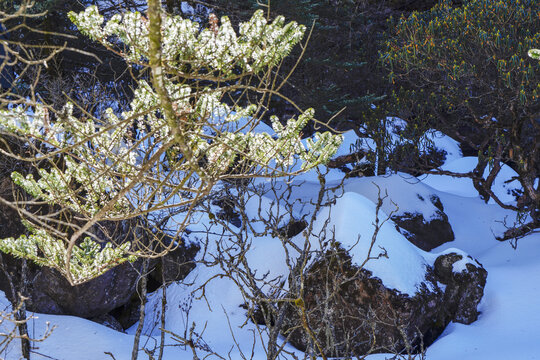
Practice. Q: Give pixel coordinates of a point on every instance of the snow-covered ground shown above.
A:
(510, 309)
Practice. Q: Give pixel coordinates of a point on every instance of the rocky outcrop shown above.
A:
(426, 234)
(49, 292)
(351, 313)
(52, 293)
(464, 281)
(176, 265)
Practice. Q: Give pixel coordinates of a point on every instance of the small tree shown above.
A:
(465, 71)
(184, 132)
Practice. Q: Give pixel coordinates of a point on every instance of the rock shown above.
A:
(412, 205)
(128, 314)
(109, 321)
(93, 298)
(228, 212)
(409, 159)
(352, 313)
(293, 228)
(10, 224)
(49, 292)
(426, 234)
(177, 264)
(464, 286)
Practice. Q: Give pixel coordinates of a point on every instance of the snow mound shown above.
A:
(503, 186)
(405, 194)
(400, 265)
(445, 143)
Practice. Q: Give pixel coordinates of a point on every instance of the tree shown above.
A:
(465, 71)
(184, 133)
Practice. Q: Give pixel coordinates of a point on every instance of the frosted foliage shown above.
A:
(122, 162)
(257, 46)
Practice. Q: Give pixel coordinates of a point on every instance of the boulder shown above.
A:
(426, 234)
(413, 206)
(465, 281)
(109, 321)
(52, 293)
(49, 292)
(292, 228)
(228, 212)
(176, 265)
(351, 313)
(10, 224)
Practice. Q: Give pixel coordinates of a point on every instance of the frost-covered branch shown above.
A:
(181, 135)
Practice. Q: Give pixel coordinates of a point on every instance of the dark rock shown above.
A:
(10, 223)
(293, 228)
(426, 234)
(51, 293)
(176, 265)
(409, 159)
(47, 290)
(128, 314)
(464, 289)
(353, 164)
(109, 321)
(228, 212)
(350, 313)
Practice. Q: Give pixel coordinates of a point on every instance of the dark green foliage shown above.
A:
(333, 72)
(465, 71)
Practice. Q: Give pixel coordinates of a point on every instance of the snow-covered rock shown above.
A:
(351, 313)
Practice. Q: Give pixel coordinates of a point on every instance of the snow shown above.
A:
(446, 143)
(405, 194)
(349, 144)
(503, 185)
(461, 265)
(506, 328)
(352, 217)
